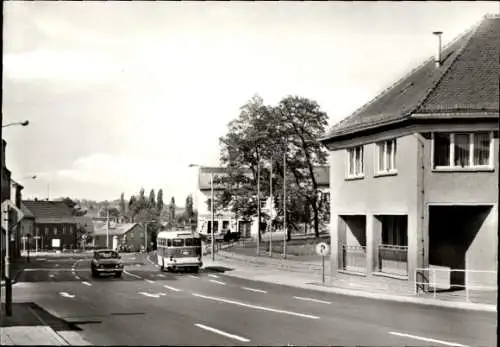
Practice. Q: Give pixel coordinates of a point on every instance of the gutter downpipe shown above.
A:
(421, 240)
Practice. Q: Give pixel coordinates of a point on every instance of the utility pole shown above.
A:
(285, 234)
(107, 228)
(271, 209)
(212, 208)
(8, 283)
(258, 208)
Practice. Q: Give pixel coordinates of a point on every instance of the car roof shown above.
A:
(105, 250)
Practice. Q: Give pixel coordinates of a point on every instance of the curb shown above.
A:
(378, 296)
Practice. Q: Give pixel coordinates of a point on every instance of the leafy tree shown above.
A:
(74, 206)
(243, 149)
(113, 212)
(152, 199)
(171, 209)
(132, 207)
(122, 204)
(301, 124)
(159, 202)
(189, 207)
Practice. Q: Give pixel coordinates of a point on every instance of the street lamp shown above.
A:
(212, 209)
(8, 283)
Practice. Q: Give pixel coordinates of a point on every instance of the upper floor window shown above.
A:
(386, 156)
(355, 162)
(463, 150)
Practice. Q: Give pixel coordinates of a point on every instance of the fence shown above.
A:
(354, 258)
(393, 259)
(427, 280)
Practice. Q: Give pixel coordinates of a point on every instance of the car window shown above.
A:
(107, 255)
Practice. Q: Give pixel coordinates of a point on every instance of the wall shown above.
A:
(67, 233)
(383, 195)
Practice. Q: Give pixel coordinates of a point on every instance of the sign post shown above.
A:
(322, 249)
(11, 217)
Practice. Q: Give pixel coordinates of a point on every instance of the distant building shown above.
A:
(414, 172)
(225, 219)
(54, 224)
(128, 236)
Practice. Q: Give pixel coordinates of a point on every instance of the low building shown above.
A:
(124, 236)
(414, 173)
(225, 219)
(54, 224)
(30, 240)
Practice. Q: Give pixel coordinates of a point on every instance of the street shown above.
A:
(150, 307)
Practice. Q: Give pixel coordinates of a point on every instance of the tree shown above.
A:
(189, 207)
(122, 204)
(243, 149)
(113, 212)
(159, 202)
(301, 124)
(132, 207)
(76, 209)
(152, 200)
(171, 209)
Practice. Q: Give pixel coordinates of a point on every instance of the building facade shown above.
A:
(120, 236)
(225, 219)
(55, 227)
(414, 172)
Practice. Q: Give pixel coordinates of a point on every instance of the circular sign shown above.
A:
(84, 236)
(322, 249)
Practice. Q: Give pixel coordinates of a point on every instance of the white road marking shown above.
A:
(77, 277)
(150, 281)
(223, 333)
(172, 288)
(52, 275)
(162, 294)
(311, 299)
(66, 295)
(303, 315)
(150, 295)
(254, 290)
(218, 282)
(214, 276)
(160, 275)
(86, 283)
(193, 276)
(45, 269)
(130, 274)
(427, 339)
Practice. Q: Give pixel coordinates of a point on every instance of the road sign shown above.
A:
(14, 217)
(84, 237)
(322, 249)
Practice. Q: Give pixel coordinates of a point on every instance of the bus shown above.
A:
(179, 250)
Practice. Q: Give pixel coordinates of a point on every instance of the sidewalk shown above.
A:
(308, 276)
(26, 327)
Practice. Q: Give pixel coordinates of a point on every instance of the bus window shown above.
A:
(169, 243)
(177, 242)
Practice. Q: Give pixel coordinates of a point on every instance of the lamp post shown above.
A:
(8, 283)
(212, 210)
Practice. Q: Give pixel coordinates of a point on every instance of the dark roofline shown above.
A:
(333, 134)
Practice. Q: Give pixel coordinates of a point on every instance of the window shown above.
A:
(355, 162)
(462, 150)
(386, 156)
(177, 242)
(55, 231)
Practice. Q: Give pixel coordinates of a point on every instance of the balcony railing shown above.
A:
(393, 259)
(354, 258)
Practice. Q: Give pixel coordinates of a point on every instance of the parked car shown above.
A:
(106, 261)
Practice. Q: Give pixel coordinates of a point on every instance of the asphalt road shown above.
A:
(150, 307)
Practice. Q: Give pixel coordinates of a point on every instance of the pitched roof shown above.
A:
(50, 211)
(466, 82)
(27, 213)
(114, 229)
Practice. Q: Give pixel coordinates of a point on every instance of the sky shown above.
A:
(124, 95)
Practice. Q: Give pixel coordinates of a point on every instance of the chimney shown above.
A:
(438, 58)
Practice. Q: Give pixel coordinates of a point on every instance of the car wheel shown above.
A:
(118, 274)
(195, 269)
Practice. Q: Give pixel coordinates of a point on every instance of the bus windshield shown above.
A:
(177, 242)
(193, 242)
